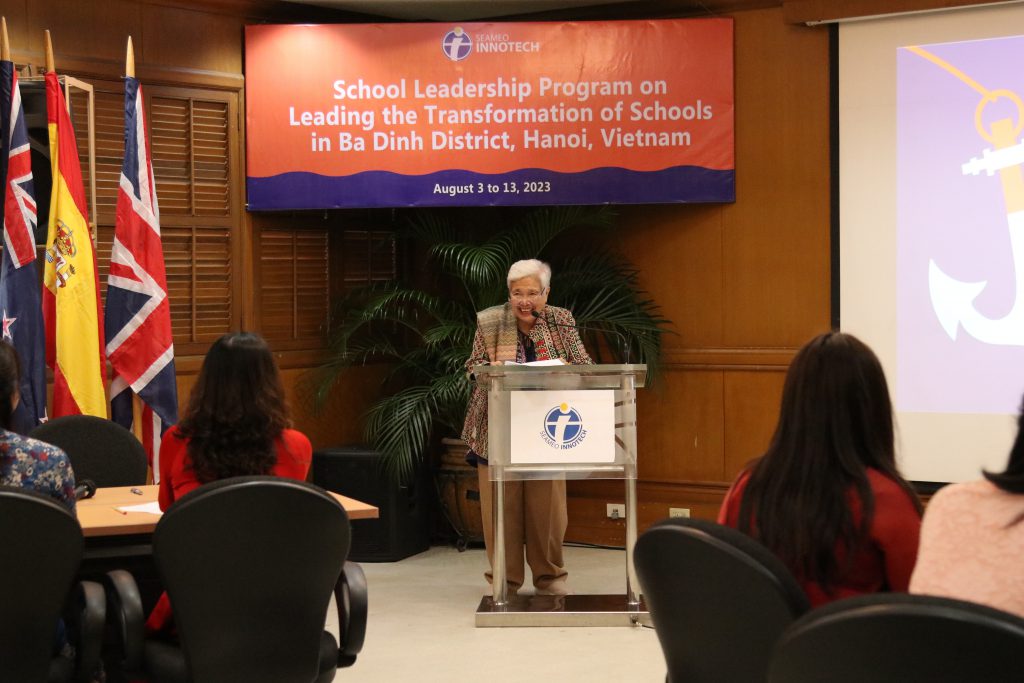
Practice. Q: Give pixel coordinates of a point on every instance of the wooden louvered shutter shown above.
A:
(368, 257)
(192, 141)
(109, 141)
(192, 149)
(305, 265)
(293, 297)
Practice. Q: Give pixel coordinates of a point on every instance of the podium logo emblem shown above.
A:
(563, 427)
(456, 44)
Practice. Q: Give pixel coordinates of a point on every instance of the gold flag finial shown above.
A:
(5, 41)
(129, 60)
(49, 53)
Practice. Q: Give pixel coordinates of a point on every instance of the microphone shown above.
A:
(625, 346)
(86, 489)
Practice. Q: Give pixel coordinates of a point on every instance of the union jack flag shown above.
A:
(138, 316)
(20, 301)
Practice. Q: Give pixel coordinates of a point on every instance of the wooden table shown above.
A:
(99, 515)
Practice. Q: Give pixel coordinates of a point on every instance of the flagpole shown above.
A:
(129, 71)
(5, 41)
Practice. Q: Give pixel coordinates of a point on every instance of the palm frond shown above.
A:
(398, 427)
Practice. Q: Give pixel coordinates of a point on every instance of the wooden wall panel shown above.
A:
(338, 422)
(176, 43)
(806, 11)
(679, 251)
(681, 428)
(16, 12)
(192, 39)
(702, 501)
(752, 400)
(776, 235)
(83, 30)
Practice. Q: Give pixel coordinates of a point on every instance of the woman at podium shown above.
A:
(523, 330)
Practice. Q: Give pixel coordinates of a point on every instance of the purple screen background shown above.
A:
(957, 220)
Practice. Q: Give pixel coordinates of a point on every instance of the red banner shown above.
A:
(525, 113)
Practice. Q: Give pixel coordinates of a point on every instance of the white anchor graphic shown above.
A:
(952, 299)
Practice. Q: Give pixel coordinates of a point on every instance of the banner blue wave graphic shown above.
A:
(526, 187)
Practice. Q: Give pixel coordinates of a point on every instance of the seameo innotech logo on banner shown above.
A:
(563, 427)
(456, 44)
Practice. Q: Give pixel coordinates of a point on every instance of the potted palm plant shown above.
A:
(424, 329)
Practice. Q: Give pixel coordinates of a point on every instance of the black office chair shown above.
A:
(41, 546)
(718, 599)
(249, 564)
(100, 450)
(900, 638)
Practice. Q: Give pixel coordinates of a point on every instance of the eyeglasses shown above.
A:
(530, 295)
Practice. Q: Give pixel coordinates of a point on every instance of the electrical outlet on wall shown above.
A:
(616, 511)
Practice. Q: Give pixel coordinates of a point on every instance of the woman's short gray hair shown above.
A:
(530, 268)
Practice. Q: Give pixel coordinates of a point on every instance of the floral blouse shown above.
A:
(32, 464)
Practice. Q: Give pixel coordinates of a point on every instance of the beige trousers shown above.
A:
(535, 517)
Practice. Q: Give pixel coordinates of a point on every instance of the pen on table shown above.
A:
(123, 512)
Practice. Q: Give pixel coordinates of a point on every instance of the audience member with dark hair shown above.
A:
(826, 497)
(29, 463)
(973, 535)
(235, 424)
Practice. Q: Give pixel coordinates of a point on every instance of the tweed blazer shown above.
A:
(554, 335)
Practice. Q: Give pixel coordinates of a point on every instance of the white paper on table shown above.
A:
(150, 508)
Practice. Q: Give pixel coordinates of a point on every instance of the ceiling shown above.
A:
(455, 10)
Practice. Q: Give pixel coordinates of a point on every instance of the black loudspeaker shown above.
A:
(403, 528)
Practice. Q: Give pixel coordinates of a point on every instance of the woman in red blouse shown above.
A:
(236, 424)
(827, 497)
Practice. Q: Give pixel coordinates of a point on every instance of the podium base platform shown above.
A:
(562, 610)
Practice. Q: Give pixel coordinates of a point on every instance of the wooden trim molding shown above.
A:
(107, 69)
(823, 11)
(766, 359)
(589, 523)
(262, 10)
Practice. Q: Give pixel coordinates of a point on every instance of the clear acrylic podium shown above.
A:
(512, 456)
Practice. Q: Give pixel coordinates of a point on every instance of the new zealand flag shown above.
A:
(19, 283)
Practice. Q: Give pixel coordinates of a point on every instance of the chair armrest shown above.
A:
(350, 594)
(125, 607)
(86, 617)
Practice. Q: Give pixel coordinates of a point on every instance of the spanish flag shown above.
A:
(71, 291)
